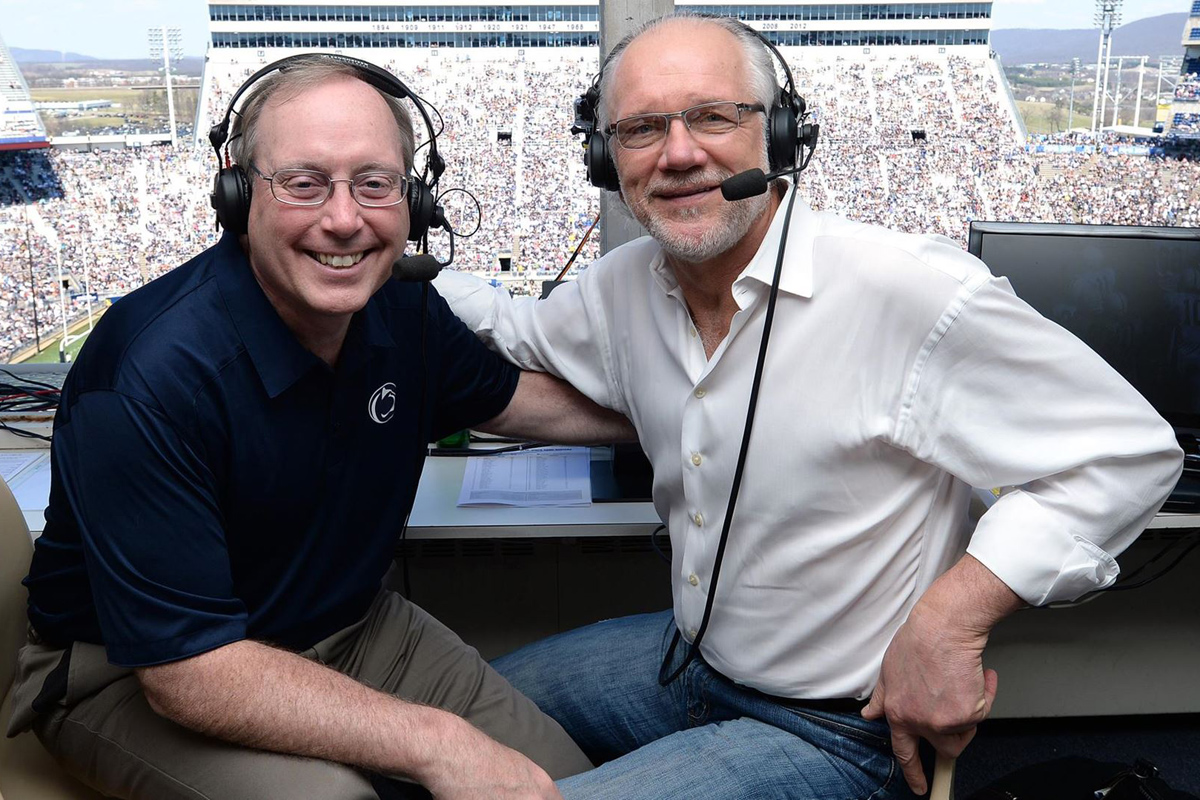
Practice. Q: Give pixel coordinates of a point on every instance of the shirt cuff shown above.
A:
(1034, 552)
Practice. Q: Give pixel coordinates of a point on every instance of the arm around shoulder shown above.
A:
(546, 409)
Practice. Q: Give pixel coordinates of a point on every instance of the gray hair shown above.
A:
(763, 84)
(298, 77)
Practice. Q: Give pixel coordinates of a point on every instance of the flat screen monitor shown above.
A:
(1131, 293)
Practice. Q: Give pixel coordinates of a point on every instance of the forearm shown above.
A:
(261, 697)
(547, 409)
(965, 602)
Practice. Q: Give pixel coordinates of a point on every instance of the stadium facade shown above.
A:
(244, 37)
(562, 23)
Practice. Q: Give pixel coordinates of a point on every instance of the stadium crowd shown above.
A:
(914, 142)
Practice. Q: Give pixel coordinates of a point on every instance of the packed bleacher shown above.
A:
(1185, 123)
(116, 219)
(1188, 87)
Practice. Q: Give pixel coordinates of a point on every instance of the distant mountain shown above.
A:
(23, 56)
(1153, 36)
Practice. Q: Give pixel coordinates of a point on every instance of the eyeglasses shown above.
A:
(307, 187)
(707, 119)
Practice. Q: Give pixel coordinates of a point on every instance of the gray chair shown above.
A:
(27, 772)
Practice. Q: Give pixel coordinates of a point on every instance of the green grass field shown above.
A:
(50, 354)
(1045, 118)
(118, 94)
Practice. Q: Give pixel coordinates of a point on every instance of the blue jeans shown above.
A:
(701, 737)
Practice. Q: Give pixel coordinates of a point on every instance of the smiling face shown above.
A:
(673, 187)
(320, 264)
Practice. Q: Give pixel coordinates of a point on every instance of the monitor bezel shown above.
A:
(1183, 422)
(980, 228)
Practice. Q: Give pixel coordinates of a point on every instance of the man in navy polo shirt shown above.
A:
(236, 452)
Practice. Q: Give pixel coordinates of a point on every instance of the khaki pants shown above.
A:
(104, 732)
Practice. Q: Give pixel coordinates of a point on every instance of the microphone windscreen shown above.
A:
(745, 184)
(411, 269)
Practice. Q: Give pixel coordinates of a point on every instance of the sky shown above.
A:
(108, 29)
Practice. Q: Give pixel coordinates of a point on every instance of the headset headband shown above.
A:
(377, 77)
(788, 133)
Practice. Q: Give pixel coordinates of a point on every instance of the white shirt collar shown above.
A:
(797, 277)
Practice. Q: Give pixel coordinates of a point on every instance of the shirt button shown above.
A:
(700, 393)
(692, 634)
(692, 331)
(696, 459)
(693, 580)
(698, 519)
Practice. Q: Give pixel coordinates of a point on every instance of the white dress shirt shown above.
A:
(899, 373)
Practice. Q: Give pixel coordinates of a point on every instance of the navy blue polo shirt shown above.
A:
(213, 481)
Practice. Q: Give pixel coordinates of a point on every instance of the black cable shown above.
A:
(1125, 586)
(1127, 582)
(694, 650)
(655, 546)
(20, 398)
(30, 381)
(494, 439)
(1125, 579)
(21, 432)
(460, 452)
(478, 211)
(562, 274)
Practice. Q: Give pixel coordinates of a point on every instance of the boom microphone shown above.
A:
(751, 183)
(415, 269)
(424, 267)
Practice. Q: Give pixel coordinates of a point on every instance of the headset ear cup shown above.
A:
(601, 169)
(421, 209)
(231, 199)
(784, 140)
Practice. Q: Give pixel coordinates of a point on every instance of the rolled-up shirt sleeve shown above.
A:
(1002, 397)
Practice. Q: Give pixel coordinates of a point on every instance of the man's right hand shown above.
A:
(473, 765)
(258, 696)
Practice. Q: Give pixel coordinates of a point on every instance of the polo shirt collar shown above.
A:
(797, 275)
(277, 355)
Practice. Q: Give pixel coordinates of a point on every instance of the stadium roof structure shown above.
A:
(20, 126)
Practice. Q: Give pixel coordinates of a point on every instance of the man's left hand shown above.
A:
(931, 687)
(932, 684)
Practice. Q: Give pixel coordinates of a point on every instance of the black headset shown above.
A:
(231, 188)
(787, 129)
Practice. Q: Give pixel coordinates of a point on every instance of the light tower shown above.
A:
(1108, 16)
(1071, 110)
(167, 42)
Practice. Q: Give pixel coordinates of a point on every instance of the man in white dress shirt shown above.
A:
(899, 373)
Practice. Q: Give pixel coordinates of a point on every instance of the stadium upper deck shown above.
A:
(20, 126)
(563, 23)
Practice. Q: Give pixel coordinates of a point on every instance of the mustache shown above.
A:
(687, 182)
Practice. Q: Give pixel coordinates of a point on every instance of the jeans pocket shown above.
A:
(872, 734)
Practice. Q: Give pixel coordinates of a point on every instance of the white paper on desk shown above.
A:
(30, 483)
(13, 461)
(548, 476)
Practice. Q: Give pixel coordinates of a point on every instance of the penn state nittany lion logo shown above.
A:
(382, 404)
